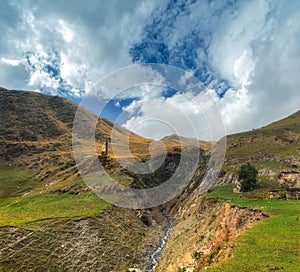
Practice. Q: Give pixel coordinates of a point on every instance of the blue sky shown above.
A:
(245, 53)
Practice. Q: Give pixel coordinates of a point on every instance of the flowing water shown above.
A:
(156, 254)
(152, 259)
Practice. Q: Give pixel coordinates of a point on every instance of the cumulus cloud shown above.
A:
(189, 115)
(245, 53)
(69, 44)
(132, 78)
(251, 47)
(12, 76)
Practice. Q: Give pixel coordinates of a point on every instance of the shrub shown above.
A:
(248, 177)
(197, 254)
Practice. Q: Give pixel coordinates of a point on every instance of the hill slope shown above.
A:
(42, 196)
(279, 141)
(36, 132)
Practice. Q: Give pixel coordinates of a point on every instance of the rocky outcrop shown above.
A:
(227, 178)
(267, 172)
(290, 179)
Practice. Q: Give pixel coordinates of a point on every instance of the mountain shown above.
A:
(42, 196)
(36, 132)
(175, 140)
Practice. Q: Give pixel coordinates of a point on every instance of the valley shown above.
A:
(50, 220)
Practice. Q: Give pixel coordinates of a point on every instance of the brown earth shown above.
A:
(204, 232)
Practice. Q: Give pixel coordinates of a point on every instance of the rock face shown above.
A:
(290, 179)
(204, 232)
(266, 172)
(228, 178)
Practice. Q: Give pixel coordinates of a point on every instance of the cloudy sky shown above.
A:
(245, 54)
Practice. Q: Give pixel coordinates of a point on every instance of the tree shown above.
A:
(248, 177)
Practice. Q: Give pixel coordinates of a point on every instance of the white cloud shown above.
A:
(188, 115)
(91, 40)
(236, 109)
(243, 67)
(41, 79)
(65, 31)
(130, 82)
(13, 77)
(72, 72)
(12, 62)
(234, 37)
(255, 46)
(252, 45)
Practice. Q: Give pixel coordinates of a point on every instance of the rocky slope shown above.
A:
(84, 244)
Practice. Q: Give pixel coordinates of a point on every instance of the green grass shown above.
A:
(273, 164)
(125, 181)
(273, 243)
(264, 185)
(15, 181)
(16, 211)
(65, 186)
(23, 200)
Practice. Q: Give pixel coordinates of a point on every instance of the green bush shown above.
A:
(197, 254)
(248, 177)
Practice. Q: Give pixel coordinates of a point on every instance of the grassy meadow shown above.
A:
(272, 244)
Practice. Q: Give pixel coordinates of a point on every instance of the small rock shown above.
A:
(274, 268)
(134, 270)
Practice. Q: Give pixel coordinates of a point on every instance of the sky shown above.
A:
(245, 55)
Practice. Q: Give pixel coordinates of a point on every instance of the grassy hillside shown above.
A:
(15, 182)
(227, 231)
(277, 141)
(272, 244)
(24, 200)
(63, 227)
(36, 133)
